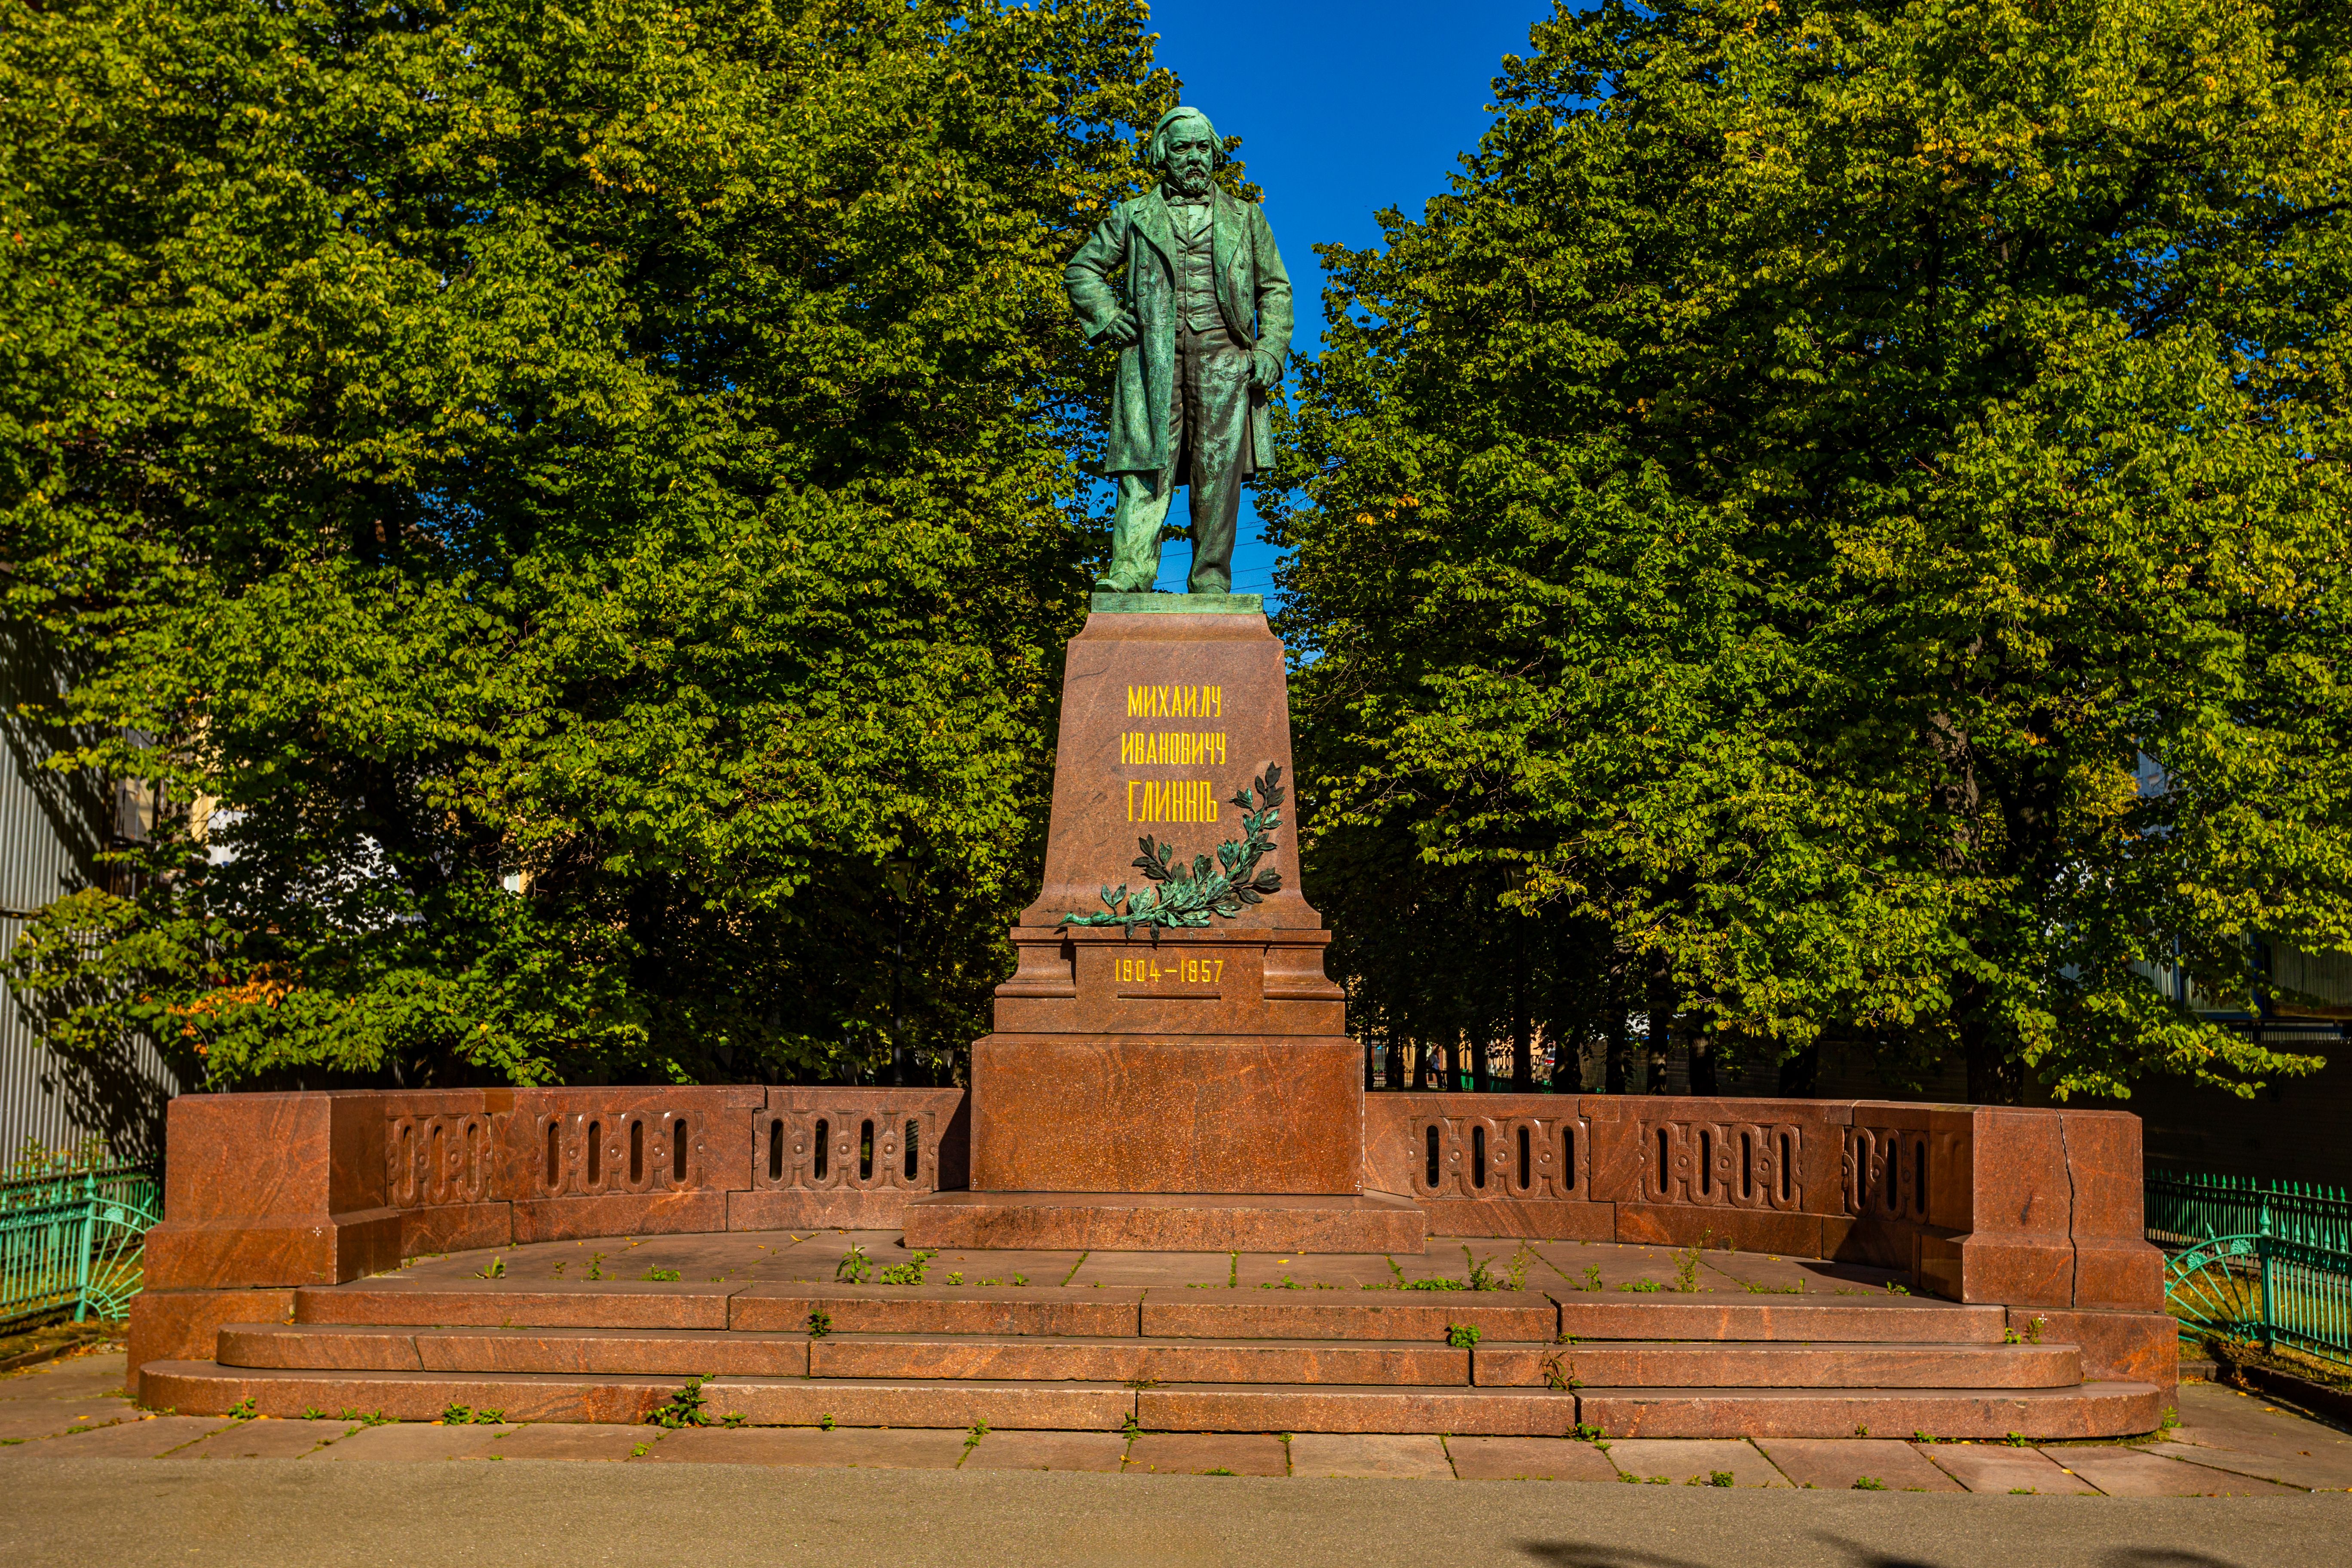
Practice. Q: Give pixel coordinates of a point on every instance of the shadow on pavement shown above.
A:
(1597, 1554)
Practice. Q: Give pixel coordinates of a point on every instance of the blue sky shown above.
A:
(1342, 108)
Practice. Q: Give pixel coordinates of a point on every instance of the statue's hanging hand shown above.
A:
(1121, 331)
(1266, 368)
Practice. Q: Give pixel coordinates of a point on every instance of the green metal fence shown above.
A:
(2266, 1261)
(2188, 1207)
(74, 1241)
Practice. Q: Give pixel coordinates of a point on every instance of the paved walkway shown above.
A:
(2227, 1445)
(89, 1478)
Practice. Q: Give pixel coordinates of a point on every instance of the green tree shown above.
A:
(1854, 501)
(571, 503)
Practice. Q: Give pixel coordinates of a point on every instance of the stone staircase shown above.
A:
(1187, 1358)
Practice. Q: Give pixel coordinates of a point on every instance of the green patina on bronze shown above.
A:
(1185, 282)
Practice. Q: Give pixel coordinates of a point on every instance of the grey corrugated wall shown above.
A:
(50, 826)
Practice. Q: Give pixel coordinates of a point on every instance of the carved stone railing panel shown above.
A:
(1530, 1158)
(1708, 1162)
(852, 1139)
(440, 1158)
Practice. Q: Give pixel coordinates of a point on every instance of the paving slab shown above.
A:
(1395, 1457)
(2316, 1473)
(1528, 1459)
(24, 1419)
(868, 1447)
(2214, 1417)
(1678, 1460)
(148, 1439)
(566, 1440)
(2128, 1472)
(411, 1440)
(1208, 1453)
(1988, 1469)
(266, 1439)
(94, 1376)
(1837, 1464)
(1099, 1451)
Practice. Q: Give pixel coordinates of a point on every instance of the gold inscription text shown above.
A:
(1178, 800)
(1178, 748)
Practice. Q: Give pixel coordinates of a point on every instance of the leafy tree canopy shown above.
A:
(573, 502)
(1851, 503)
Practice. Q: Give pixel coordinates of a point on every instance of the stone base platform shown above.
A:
(1167, 1222)
(1498, 1339)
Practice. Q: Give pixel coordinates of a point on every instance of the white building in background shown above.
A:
(52, 826)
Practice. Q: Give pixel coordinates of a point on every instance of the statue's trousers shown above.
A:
(1209, 453)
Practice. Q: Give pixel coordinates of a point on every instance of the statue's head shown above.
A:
(1185, 147)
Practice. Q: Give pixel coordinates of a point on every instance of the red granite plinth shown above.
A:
(1166, 1222)
(1195, 1063)
(1096, 1113)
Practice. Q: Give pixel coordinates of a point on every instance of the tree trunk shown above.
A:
(1613, 1079)
(1395, 1073)
(1800, 1072)
(1661, 1004)
(1702, 1063)
(1482, 1072)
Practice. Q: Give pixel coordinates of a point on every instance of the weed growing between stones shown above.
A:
(1462, 1336)
(466, 1415)
(1591, 1278)
(685, 1407)
(824, 1422)
(855, 1268)
(909, 1272)
(661, 1275)
(243, 1409)
(595, 1266)
(1129, 1427)
(1584, 1431)
(2014, 1439)
(972, 1438)
(1687, 1263)
(820, 1323)
(1640, 1285)
(1868, 1484)
(494, 1269)
(312, 1413)
(956, 1278)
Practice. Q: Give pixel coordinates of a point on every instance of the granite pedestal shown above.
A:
(1205, 1064)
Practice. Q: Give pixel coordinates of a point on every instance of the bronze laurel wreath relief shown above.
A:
(1184, 895)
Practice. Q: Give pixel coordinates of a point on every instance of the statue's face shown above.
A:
(1192, 157)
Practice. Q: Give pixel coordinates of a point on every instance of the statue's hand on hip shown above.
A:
(1121, 331)
(1266, 368)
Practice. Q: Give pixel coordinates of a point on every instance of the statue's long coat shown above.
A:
(1252, 292)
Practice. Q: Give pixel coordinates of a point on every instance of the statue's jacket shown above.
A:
(1252, 295)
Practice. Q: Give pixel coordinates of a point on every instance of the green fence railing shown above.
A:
(2188, 1207)
(2264, 1261)
(74, 1241)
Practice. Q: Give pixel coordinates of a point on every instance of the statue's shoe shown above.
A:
(1113, 586)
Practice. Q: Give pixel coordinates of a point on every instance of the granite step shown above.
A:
(2092, 1410)
(1362, 1362)
(1624, 1363)
(1895, 1320)
(1330, 1407)
(206, 1388)
(2086, 1410)
(685, 1353)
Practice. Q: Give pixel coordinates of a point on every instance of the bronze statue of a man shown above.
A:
(1202, 327)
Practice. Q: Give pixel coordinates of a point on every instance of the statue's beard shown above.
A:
(1188, 182)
